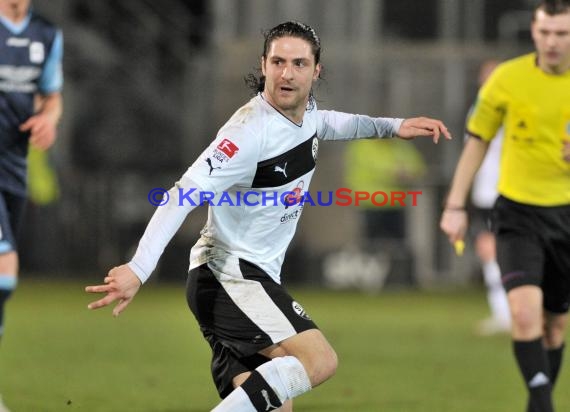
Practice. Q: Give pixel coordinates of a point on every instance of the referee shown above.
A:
(530, 97)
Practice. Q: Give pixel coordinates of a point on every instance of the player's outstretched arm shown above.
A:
(454, 218)
(121, 284)
(423, 127)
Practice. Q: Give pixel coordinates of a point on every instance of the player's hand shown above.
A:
(566, 151)
(423, 127)
(454, 224)
(43, 130)
(121, 284)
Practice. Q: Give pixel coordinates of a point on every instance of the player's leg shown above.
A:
(528, 346)
(554, 336)
(8, 281)
(556, 285)
(11, 211)
(242, 312)
(556, 291)
(298, 364)
(286, 406)
(521, 257)
(496, 295)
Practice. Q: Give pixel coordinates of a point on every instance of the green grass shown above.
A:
(398, 351)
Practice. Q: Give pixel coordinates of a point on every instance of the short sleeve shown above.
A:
(51, 80)
(489, 109)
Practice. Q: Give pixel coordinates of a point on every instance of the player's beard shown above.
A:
(293, 101)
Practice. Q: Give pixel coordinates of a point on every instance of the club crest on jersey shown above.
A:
(300, 311)
(315, 148)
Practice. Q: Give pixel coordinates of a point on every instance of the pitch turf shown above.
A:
(399, 352)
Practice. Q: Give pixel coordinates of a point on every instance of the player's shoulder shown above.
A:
(254, 117)
(520, 64)
(245, 123)
(41, 21)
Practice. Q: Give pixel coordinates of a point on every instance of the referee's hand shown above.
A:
(454, 224)
(121, 284)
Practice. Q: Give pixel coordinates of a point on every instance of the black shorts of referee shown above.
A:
(533, 248)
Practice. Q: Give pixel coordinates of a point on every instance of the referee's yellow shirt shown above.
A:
(534, 108)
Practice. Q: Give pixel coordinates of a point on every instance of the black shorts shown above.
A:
(12, 209)
(241, 311)
(533, 248)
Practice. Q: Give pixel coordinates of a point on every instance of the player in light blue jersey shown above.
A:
(266, 349)
(30, 108)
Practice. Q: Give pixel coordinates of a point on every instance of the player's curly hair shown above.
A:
(256, 81)
(553, 7)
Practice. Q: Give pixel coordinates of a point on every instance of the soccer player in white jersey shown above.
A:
(266, 349)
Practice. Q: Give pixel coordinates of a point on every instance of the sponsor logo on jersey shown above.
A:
(212, 168)
(228, 148)
(295, 196)
(290, 216)
(17, 42)
(300, 311)
(315, 148)
(19, 79)
(37, 54)
(280, 169)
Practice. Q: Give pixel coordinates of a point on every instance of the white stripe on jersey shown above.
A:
(252, 299)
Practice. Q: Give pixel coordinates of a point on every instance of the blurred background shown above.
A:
(148, 84)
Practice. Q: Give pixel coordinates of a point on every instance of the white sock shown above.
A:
(286, 376)
(496, 295)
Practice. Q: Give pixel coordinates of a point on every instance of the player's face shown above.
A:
(289, 71)
(14, 9)
(551, 35)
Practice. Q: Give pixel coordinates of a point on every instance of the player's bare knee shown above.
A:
(241, 378)
(526, 320)
(322, 367)
(331, 364)
(286, 407)
(554, 330)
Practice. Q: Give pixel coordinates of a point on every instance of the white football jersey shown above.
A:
(253, 176)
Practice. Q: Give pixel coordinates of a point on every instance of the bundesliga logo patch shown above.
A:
(228, 147)
(225, 151)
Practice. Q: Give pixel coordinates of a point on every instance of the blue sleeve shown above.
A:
(51, 80)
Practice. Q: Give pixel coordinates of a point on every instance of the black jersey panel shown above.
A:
(286, 167)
